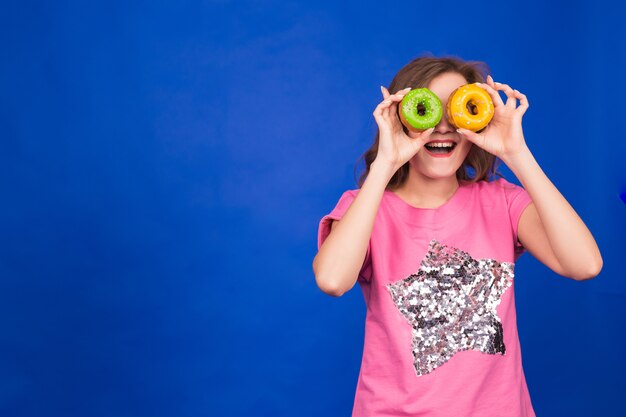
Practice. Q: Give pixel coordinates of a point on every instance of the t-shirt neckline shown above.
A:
(444, 212)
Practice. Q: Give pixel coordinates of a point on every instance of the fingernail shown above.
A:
(460, 131)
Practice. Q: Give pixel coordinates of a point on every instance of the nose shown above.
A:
(444, 125)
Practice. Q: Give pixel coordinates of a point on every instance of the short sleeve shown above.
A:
(336, 214)
(517, 200)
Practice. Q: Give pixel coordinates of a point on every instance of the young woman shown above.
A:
(432, 240)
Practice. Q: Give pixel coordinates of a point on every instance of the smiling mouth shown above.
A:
(440, 149)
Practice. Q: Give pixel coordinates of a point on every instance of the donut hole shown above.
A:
(421, 109)
(472, 108)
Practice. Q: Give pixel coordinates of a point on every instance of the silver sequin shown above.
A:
(451, 305)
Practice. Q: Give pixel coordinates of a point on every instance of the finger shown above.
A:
(400, 93)
(395, 100)
(387, 106)
(473, 137)
(495, 96)
(391, 98)
(523, 103)
(393, 109)
(511, 100)
(378, 111)
(490, 81)
(384, 105)
(380, 117)
(426, 134)
(424, 137)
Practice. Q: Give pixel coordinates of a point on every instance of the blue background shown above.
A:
(165, 166)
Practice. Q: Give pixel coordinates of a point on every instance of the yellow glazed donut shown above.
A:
(470, 107)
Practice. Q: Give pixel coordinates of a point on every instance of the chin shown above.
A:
(440, 175)
(436, 174)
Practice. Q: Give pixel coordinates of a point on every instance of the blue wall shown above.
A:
(165, 166)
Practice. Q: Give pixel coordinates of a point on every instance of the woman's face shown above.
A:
(431, 165)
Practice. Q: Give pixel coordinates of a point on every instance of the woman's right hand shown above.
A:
(395, 147)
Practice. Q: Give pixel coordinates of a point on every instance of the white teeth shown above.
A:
(440, 145)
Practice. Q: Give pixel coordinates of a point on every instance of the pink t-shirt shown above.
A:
(440, 331)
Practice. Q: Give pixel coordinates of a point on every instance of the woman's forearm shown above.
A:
(340, 258)
(570, 239)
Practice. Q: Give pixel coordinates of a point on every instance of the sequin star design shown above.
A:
(451, 305)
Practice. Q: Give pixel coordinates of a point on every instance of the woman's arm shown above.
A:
(549, 227)
(340, 258)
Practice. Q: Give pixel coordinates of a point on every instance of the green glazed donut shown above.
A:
(420, 109)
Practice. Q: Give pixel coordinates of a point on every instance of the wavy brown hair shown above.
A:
(418, 74)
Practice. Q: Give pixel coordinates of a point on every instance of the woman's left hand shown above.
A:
(503, 136)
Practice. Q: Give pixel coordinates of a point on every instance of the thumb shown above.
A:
(424, 137)
(473, 137)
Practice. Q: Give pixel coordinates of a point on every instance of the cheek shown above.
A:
(466, 147)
